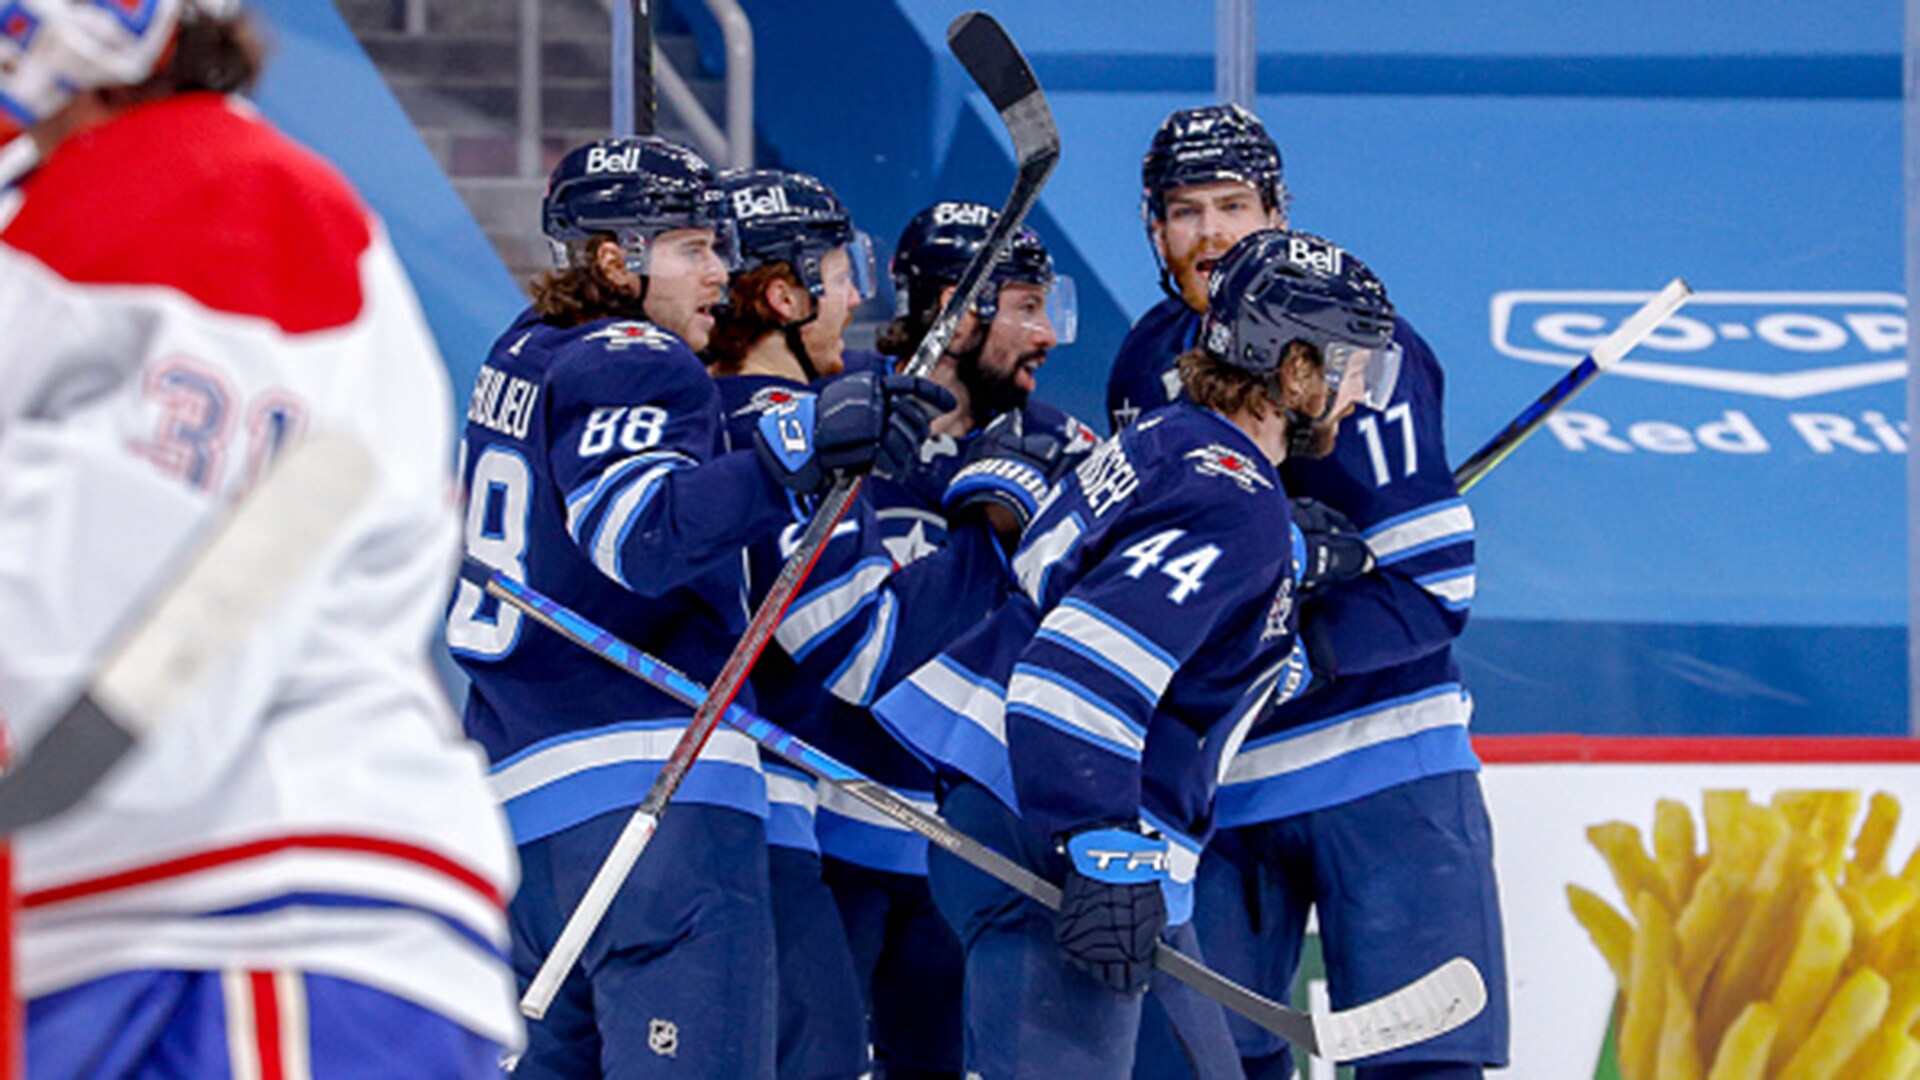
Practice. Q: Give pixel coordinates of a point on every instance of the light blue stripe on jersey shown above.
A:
(953, 717)
(560, 782)
(1348, 756)
(1453, 588)
(1065, 705)
(1111, 644)
(791, 801)
(858, 678)
(827, 607)
(1416, 532)
(856, 833)
(610, 536)
(582, 500)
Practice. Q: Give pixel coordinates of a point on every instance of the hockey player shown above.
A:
(804, 268)
(1396, 814)
(974, 489)
(303, 872)
(1077, 731)
(594, 471)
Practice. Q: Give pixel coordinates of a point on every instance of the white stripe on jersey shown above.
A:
(857, 681)
(964, 694)
(786, 790)
(1437, 708)
(613, 527)
(581, 503)
(1113, 645)
(1042, 693)
(243, 1044)
(806, 623)
(591, 751)
(1455, 587)
(1400, 537)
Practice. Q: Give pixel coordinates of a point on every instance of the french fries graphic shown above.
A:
(1778, 953)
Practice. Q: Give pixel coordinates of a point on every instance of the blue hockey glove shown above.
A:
(1112, 909)
(859, 423)
(1010, 467)
(1334, 551)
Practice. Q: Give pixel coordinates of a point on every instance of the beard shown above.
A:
(989, 394)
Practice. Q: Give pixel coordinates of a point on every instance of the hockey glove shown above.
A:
(1112, 909)
(1009, 467)
(1334, 550)
(859, 423)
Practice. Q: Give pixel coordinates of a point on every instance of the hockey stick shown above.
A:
(1439, 1001)
(996, 65)
(164, 653)
(1608, 353)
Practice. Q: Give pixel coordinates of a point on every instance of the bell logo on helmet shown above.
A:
(601, 159)
(760, 202)
(953, 213)
(1303, 251)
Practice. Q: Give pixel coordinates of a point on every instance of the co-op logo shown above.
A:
(1783, 345)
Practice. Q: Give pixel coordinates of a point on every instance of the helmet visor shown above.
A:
(1361, 375)
(679, 247)
(861, 265)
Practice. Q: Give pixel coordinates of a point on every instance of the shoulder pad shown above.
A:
(1214, 459)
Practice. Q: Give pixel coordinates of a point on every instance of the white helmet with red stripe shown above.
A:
(52, 50)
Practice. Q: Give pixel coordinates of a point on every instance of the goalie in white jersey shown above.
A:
(303, 873)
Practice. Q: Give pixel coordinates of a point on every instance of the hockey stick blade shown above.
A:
(996, 66)
(1435, 1003)
(1038, 144)
(1605, 355)
(165, 652)
(1438, 1002)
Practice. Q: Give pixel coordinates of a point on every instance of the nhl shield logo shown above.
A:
(663, 1037)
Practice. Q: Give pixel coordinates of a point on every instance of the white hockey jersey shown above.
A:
(183, 289)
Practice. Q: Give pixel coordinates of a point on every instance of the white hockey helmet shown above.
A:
(53, 50)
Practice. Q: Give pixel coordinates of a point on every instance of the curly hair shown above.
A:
(748, 316)
(579, 293)
(221, 55)
(1226, 389)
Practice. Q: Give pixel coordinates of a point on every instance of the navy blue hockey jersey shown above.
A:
(1143, 376)
(593, 471)
(1397, 710)
(1155, 614)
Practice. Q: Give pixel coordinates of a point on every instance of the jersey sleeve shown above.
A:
(1415, 601)
(633, 442)
(1086, 687)
(861, 624)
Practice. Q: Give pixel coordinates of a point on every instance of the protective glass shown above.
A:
(1361, 375)
(637, 246)
(1061, 311)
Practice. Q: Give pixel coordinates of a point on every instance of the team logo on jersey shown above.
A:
(1279, 611)
(1781, 345)
(1217, 460)
(625, 335)
(769, 399)
(18, 26)
(663, 1037)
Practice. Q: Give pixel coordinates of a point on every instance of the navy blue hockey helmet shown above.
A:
(635, 189)
(1276, 287)
(1207, 145)
(940, 241)
(794, 218)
